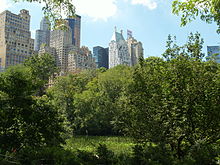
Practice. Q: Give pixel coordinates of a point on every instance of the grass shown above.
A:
(89, 143)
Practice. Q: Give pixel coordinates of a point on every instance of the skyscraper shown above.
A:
(42, 35)
(61, 40)
(135, 49)
(215, 52)
(118, 51)
(75, 26)
(16, 44)
(101, 56)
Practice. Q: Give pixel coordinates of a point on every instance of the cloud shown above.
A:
(150, 4)
(96, 9)
(4, 4)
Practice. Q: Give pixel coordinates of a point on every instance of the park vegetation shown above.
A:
(167, 107)
(206, 10)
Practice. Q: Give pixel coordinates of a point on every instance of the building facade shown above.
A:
(61, 40)
(42, 36)
(16, 44)
(118, 51)
(70, 57)
(80, 59)
(135, 50)
(75, 27)
(44, 48)
(100, 55)
(214, 51)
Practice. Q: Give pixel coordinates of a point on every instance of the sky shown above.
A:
(151, 21)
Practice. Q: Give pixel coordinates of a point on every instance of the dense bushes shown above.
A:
(26, 118)
(143, 154)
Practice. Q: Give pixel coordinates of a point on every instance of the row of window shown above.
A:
(24, 25)
(19, 44)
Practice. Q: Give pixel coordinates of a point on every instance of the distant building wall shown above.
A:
(80, 59)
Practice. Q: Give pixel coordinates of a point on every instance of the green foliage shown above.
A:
(62, 95)
(54, 9)
(105, 156)
(119, 145)
(152, 155)
(97, 106)
(42, 68)
(203, 153)
(46, 155)
(102, 156)
(25, 119)
(169, 106)
(89, 100)
(207, 10)
(192, 49)
(174, 102)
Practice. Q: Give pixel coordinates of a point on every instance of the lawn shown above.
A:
(89, 143)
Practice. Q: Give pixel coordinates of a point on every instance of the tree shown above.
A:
(62, 94)
(42, 68)
(97, 107)
(208, 10)
(25, 119)
(192, 49)
(174, 103)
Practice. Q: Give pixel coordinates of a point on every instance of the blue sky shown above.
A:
(151, 21)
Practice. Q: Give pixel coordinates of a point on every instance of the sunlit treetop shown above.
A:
(207, 10)
(55, 9)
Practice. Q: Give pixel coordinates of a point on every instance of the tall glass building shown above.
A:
(75, 25)
(101, 56)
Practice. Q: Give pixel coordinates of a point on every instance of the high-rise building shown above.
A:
(44, 48)
(214, 53)
(42, 35)
(16, 44)
(75, 26)
(80, 59)
(135, 50)
(118, 51)
(61, 40)
(101, 56)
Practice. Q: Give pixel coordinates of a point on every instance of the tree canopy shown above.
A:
(207, 10)
(27, 118)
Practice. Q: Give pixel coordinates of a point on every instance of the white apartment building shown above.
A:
(118, 51)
